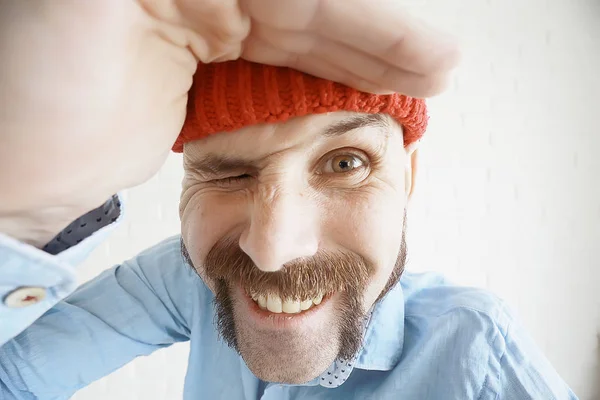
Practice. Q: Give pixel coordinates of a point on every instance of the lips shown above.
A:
(275, 304)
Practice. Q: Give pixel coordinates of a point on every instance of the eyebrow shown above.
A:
(358, 121)
(213, 164)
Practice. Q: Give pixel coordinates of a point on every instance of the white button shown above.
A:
(25, 296)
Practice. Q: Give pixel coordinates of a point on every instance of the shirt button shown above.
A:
(25, 296)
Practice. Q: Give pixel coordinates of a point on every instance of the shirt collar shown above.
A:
(384, 336)
(340, 370)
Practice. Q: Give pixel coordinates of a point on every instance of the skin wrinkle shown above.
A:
(227, 265)
(297, 229)
(211, 165)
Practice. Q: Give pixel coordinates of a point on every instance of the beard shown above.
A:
(293, 357)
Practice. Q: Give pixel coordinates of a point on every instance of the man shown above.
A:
(84, 83)
(292, 251)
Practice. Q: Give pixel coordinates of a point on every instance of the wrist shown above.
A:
(58, 229)
(35, 228)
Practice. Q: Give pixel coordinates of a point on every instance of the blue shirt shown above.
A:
(427, 339)
(51, 269)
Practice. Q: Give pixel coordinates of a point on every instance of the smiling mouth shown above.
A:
(275, 304)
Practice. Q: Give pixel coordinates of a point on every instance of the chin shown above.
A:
(284, 377)
(286, 348)
(290, 356)
(286, 369)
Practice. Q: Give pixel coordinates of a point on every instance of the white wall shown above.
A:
(508, 196)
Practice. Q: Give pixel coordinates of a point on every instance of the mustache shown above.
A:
(323, 273)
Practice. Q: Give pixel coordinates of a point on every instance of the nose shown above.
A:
(283, 227)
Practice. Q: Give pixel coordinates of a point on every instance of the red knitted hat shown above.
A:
(232, 95)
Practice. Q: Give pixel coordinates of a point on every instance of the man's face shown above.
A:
(298, 229)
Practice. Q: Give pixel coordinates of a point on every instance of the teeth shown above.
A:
(306, 304)
(274, 303)
(317, 300)
(262, 301)
(291, 306)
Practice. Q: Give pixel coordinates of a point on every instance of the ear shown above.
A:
(412, 153)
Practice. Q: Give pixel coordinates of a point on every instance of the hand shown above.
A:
(93, 94)
(374, 46)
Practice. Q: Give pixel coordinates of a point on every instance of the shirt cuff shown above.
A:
(32, 280)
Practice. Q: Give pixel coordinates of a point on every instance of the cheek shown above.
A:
(209, 217)
(369, 223)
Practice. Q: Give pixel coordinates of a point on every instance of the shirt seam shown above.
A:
(483, 387)
(463, 307)
(538, 376)
(487, 376)
(498, 328)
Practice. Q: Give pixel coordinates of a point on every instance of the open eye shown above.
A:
(343, 163)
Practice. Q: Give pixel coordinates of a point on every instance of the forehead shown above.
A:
(299, 132)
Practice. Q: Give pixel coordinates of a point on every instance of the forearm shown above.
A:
(129, 310)
(36, 111)
(33, 280)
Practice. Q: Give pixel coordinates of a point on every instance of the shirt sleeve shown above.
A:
(521, 371)
(127, 311)
(34, 280)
